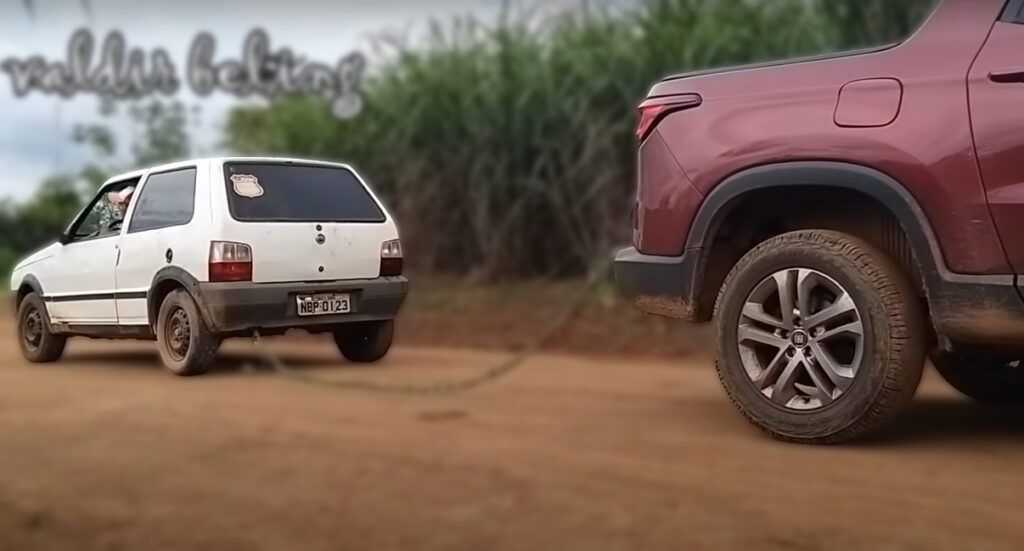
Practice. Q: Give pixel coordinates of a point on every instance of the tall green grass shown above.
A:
(507, 148)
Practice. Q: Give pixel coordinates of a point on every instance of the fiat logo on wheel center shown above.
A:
(799, 339)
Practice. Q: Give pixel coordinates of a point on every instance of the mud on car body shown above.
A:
(840, 218)
(216, 248)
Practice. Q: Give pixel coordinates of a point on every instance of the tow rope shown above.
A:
(493, 373)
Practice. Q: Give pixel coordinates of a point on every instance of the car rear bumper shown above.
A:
(661, 285)
(243, 308)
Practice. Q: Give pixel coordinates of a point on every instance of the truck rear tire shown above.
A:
(985, 378)
(38, 343)
(820, 337)
(365, 342)
(187, 347)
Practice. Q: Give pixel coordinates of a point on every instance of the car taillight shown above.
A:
(230, 262)
(655, 109)
(391, 258)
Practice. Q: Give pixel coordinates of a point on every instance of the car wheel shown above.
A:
(38, 343)
(187, 347)
(820, 337)
(365, 342)
(985, 378)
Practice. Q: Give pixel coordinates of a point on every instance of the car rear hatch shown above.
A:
(305, 222)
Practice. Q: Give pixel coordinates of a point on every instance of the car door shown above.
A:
(80, 285)
(996, 86)
(157, 236)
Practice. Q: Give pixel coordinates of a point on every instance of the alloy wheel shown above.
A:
(801, 339)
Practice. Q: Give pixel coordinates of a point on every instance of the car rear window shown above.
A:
(267, 192)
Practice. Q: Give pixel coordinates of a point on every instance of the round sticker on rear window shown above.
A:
(246, 185)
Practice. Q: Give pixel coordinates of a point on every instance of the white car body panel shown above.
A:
(145, 253)
(104, 281)
(288, 252)
(82, 269)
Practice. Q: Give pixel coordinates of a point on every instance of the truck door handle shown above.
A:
(1015, 74)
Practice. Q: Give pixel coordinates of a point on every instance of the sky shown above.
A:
(35, 130)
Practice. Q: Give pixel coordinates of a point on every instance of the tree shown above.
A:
(48, 213)
(40, 220)
(164, 129)
(163, 136)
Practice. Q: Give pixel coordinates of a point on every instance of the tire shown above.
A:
(365, 342)
(985, 378)
(187, 347)
(855, 351)
(38, 343)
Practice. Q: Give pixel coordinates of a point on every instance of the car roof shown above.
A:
(220, 160)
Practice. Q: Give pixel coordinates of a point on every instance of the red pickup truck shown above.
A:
(840, 218)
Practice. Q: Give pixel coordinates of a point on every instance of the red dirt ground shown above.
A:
(106, 451)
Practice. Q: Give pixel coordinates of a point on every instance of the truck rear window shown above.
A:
(267, 192)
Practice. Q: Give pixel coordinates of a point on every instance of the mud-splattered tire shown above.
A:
(842, 386)
(187, 347)
(365, 342)
(38, 344)
(985, 378)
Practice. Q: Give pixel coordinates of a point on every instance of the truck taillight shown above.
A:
(391, 258)
(655, 109)
(230, 262)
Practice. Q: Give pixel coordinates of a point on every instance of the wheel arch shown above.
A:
(979, 309)
(164, 283)
(763, 201)
(855, 178)
(29, 284)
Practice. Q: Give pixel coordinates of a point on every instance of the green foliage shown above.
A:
(162, 128)
(42, 219)
(508, 149)
(8, 257)
(867, 22)
(163, 137)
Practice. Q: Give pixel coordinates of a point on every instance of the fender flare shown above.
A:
(958, 303)
(33, 283)
(868, 181)
(183, 278)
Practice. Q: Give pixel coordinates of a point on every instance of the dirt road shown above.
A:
(106, 451)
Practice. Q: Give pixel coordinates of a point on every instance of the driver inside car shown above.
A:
(117, 207)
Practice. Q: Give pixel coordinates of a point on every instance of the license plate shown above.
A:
(324, 305)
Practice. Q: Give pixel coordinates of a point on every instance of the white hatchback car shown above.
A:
(194, 252)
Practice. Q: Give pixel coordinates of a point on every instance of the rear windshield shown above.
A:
(264, 192)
